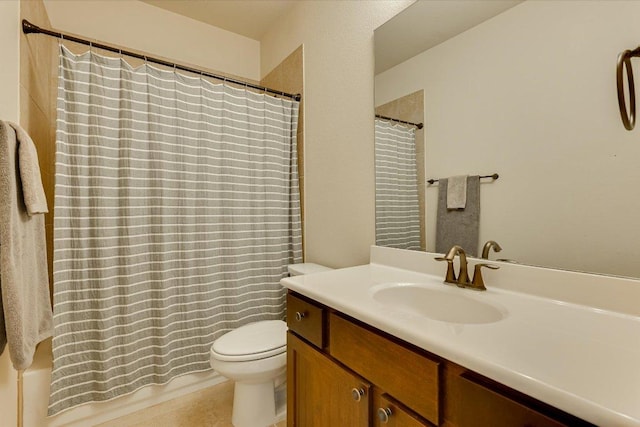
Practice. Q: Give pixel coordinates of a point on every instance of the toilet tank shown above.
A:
(306, 268)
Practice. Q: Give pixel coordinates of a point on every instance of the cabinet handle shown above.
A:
(300, 315)
(384, 414)
(357, 393)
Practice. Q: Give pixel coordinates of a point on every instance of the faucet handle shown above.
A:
(451, 275)
(477, 282)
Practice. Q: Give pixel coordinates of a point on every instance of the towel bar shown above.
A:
(493, 176)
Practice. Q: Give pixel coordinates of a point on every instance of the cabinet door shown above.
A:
(387, 413)
(320, 393)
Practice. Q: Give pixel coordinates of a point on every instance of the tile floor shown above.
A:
(210, 407)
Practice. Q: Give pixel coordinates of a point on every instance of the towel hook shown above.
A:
(624, 62)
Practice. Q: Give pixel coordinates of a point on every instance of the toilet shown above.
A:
(255, 357)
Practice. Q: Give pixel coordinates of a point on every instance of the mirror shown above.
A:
(525, 89)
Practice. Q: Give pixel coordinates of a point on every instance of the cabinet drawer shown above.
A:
(482, 406)
(306, 319)
(409, 377)
(387, 413)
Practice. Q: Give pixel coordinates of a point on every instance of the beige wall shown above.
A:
(38, 93)
(140, 26)
(338, 121)
(288, 77)
(8, 392)
(9, 71)
(9, 110)
(531, 94)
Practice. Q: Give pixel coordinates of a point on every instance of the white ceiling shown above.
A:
(427, 23)
(250, 18)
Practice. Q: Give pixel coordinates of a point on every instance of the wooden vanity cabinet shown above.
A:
(328, 359)
(341, 372)
(320, 393)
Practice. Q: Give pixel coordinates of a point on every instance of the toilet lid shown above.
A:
(256, 340)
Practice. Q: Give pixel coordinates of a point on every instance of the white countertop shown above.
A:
(583, 360)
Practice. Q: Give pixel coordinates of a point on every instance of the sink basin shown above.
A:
(437, 302)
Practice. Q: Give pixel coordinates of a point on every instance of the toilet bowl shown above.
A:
(255, 357)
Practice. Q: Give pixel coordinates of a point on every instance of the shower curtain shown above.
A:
(176, 214)
(397, 206)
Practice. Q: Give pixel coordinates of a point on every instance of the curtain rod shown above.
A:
(28, 27)
(418, 125)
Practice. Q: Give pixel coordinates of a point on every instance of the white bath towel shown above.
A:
(457, 192)
(24, 279)
(32, 190)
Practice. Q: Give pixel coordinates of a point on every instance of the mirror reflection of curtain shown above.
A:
(397, 207)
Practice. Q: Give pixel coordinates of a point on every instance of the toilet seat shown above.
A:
(254, 341)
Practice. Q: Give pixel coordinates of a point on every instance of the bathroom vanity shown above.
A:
(343, 372)
(362, 352)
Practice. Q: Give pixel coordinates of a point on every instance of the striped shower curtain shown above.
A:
(176, 214)
(397, 206)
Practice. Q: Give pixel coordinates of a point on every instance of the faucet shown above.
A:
(463, 275)
(462, 279)
(487, 247)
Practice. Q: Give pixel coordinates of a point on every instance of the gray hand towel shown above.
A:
(32, 190)
(459, 226)
(23, 261)
(457, 192)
